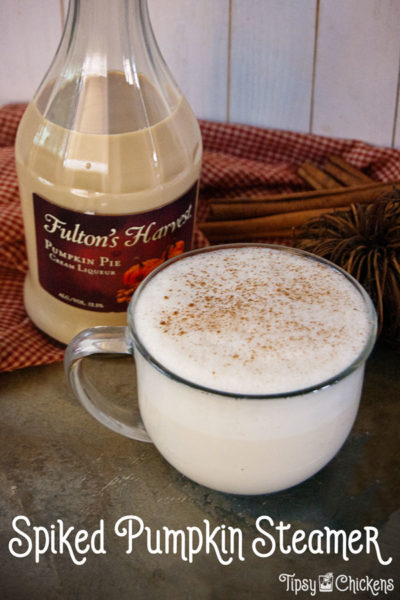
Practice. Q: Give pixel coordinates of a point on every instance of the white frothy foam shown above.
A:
(253, 320)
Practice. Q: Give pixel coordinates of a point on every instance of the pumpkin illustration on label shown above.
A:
(133, 276)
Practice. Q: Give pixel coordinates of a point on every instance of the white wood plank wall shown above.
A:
(329, 67)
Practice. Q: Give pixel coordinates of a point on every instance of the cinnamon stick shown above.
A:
(224, 236)
(345, 167)
(344, 177)
(336, 172)
(286, 203)
(378, 186)
(243, 229)
(315, 177)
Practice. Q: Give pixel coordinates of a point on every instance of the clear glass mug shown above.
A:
(234, 443)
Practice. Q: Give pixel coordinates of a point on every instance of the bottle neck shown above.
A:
(107, 33)
(107, 58)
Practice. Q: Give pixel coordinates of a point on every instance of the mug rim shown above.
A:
(358, 361)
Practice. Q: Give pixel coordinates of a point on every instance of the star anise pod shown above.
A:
(365, 241)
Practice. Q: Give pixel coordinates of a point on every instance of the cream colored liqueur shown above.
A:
(96, 184)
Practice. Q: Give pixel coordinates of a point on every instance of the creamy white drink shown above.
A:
(250, 364)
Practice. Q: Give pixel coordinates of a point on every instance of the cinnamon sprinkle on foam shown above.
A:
(254, 320)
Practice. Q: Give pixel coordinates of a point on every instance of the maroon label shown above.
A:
(96, 262)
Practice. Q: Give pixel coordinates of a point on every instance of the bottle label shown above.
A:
(96, 262)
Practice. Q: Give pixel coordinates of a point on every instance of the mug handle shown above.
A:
(101, 340)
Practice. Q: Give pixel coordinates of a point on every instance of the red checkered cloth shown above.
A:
(238, 160)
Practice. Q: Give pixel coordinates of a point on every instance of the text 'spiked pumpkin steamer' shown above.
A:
(250, 362)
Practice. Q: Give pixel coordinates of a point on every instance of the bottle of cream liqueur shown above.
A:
(108, 156)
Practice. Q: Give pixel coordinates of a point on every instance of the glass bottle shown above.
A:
(108, 157)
